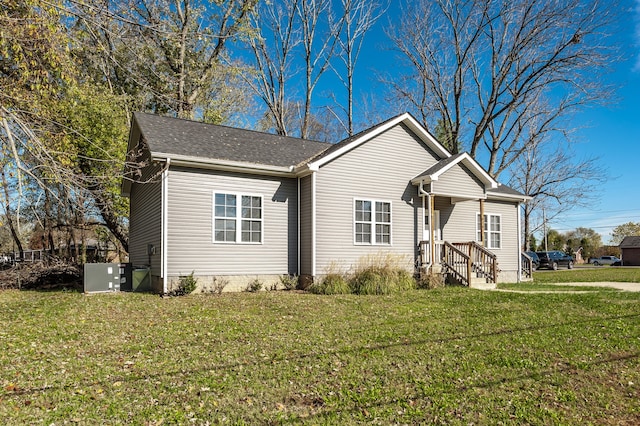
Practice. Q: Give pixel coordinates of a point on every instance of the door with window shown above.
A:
(437, 230)
(436, 226)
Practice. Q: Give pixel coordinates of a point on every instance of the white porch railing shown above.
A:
(426, 259)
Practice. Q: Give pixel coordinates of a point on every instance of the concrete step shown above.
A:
(481, 284)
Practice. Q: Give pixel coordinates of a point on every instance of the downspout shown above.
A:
(482, 230)
(165, 227)
(427, 195)
(298, 253)
(313, 225)
(520, 244)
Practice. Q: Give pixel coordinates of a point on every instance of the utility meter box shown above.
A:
(101, 277)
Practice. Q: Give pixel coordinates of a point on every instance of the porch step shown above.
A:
(481, 284)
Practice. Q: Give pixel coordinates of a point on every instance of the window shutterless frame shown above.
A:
(372, 222)
(491, 226)
(238, 218)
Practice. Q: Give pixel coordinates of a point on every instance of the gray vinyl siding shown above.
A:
(459, 181)
(380, 169)
(190, 225)
(306, 237)
(509, 253)
(458, 223)
(145, 220)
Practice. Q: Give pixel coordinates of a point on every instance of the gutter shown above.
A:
(232, 166)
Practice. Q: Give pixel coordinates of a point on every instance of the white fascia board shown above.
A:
(508, 197)
(421, 180)
(305, 170)
(475, 168)
(425, 135)
(405, 118)
(226, 165)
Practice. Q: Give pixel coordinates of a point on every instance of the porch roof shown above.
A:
(492, 188)
(434, 172)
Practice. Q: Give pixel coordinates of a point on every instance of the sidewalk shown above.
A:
(618, 285)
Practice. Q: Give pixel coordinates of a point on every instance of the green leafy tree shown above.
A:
(624, 230)
(587, 238)
(34, 66)
(555, 240)
(62, 133)
(97, 141)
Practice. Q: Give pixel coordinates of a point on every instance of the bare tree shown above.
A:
(557, 180)
(277, 35)
(292, 37)
(319, 48)
(482, 68)
(358, 17)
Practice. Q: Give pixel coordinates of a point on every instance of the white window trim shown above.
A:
(238, 217)
(488, 236)
(373, 222)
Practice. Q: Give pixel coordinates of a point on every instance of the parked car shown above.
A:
(554, 259)
(604, 260)
(534, 258)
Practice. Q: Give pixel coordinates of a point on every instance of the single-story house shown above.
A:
(630, 249)
(238, 204)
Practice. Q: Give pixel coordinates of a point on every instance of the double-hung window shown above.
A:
(492, 228)
(372, 222)
(237, 218)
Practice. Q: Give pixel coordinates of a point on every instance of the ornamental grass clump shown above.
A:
(382, 273)
(334, 281)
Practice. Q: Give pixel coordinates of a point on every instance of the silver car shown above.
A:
(604, 260)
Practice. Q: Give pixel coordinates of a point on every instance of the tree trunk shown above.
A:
(9, 216)
(107, 211)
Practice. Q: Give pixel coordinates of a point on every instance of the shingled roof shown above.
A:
(439, 166)
(630, 242)
(174, 136)
(169, 136)
(506, 191)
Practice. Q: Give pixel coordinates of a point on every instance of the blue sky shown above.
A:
(610, 132)
(613, 134)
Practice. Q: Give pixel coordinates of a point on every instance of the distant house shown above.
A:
(630, 248)
(240, 204)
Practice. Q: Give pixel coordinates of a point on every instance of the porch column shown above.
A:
(432, 243)
(482, 242)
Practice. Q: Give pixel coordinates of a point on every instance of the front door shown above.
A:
(437, 230)
(436, 226)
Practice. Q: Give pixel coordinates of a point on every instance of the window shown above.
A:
(372, 224)
(492, 228)
(237, 218)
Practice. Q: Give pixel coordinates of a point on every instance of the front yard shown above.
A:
(449, 356)
(588, 274)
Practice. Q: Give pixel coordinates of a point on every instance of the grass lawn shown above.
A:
(449, 356)
(585, 274)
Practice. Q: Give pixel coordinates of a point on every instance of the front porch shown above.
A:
(466, 263)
